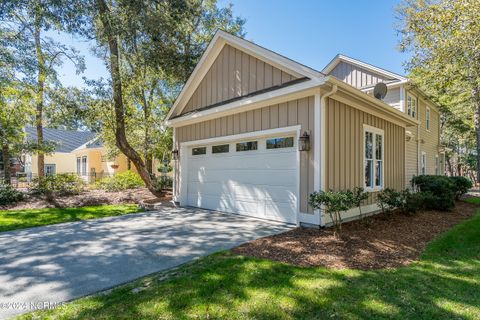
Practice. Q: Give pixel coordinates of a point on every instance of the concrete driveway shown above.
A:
(43, 266)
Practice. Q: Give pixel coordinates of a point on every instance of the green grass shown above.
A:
(21, 219)
(444, 284)
(472, 200)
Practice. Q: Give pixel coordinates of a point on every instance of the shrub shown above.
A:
(461, 185)
(62, 184)
(161, 183)
(411, 201)
(438, 191)
(335, 204)
(120, 181)
(389, 199)
(9, 195)
(359, 197)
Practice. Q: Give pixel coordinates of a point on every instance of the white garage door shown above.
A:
(246, 177)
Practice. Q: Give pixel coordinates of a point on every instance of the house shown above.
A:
(256, 133)
(77, 152)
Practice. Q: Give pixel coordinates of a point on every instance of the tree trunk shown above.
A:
(39, 101)
(7, 177)
(476, 99)
(120, 134)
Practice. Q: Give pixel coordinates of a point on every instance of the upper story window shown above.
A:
(373, 158)
(427, 118)
(412, 106)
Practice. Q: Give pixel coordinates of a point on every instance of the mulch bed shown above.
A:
(89, 198)
(387, 242)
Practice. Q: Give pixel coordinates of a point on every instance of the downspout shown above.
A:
(320, 144)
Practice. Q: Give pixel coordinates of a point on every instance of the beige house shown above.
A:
(256, 133)
(76, 152)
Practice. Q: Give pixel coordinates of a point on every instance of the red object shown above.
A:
(114, 166)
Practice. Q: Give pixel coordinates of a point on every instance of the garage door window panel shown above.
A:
(199, 151)
(247, 146)
(224, 148)
(278, 143)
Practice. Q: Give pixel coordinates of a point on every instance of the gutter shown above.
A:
(320, 145)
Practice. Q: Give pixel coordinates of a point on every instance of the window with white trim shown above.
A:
(79, 165)
(427, 118)
(423, 168)
(437, 165)
(412, 106)
(84, 165)
(373, 157)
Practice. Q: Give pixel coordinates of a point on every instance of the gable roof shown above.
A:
(220, 39)
(341, 57)
(65, 140)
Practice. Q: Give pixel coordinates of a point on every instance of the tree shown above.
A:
(15, 111)
(26, 25)
(151, 48)
(443, 36)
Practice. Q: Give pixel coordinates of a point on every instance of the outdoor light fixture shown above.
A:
(175, 154)
(304, 142)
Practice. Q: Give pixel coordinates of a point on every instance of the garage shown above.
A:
(255, 176)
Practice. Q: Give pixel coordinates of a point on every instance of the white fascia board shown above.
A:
(341, 57)
(213, 50)
(390, 85)
(271, 57)
(255, 102)
(377, 104)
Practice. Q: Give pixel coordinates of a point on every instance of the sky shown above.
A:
(311, 32)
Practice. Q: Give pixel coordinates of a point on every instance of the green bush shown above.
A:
(161, 183)
(120, 181)
(461, 186)
(359, 197)
(62, 184)
(389, 199)
(9, 195)
(412, 201)
(334, 203)
(438, 191)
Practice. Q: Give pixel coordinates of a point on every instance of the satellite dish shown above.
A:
(380, 90)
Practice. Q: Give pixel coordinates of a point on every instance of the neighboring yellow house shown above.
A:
(77, 152)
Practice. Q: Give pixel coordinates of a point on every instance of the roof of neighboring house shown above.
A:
(65, 140)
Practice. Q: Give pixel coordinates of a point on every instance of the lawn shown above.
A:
(444, 284)
(27, 218)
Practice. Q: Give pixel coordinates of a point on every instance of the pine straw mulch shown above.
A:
(89, 198)
(387, 241)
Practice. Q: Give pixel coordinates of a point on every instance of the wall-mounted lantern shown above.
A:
(175, 154)
(304, 142)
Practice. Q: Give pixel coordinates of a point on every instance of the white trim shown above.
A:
(402, 98)
(291, 92)
(340, 57)
(217, 43)
(241, 136)
(390, 85)
(375, 131)
(415, 98)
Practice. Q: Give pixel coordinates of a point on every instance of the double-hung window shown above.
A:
(423, 168)
(427, 118)
(412, 106)
(373, 157)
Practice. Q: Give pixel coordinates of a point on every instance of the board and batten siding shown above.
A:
(345, 148)
(430, 139)
(356, 76)
(233, 74)
(295, 112)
